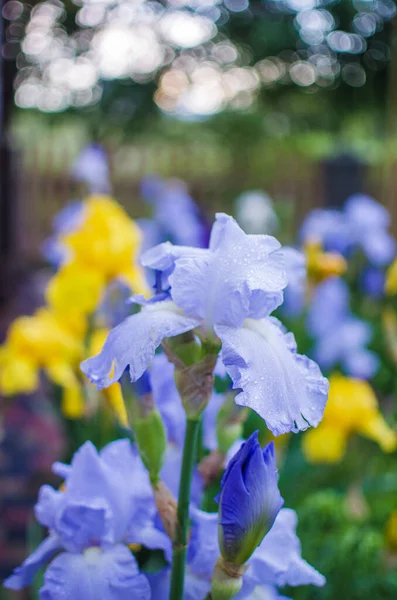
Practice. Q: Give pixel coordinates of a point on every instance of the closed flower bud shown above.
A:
(146, 423)
(249, 500)
(194, 379)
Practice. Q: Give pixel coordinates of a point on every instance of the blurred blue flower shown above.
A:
(329, 306)
(369, 222)
(362, 224)
(106, 503)
(65, 221)
(340, 337)
(372, 281)
(176, 216)
(249, 500)
(328, 226)
(91, 167)
(114, 306)
(246, 277)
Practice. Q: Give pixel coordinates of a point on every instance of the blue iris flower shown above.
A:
(277, 560)
(92, 168)
(328, 226)
(275, 563)
(340, 337)
(249, 500)
(230, 290)
(362, 224)
(369, 222)
(107, 503)
(176, 216)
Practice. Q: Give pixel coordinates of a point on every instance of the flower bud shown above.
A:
(249, 500)
(194, 377)
(146, 423)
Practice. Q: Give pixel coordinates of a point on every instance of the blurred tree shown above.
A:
(284, 65)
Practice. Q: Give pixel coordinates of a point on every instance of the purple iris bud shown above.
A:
(137, 395)
(249, 500)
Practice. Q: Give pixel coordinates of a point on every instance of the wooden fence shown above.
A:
(44, 185)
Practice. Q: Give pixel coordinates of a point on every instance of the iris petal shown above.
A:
(242, 276)
(96, 575)
(24, 574)
(133, 343)
(278, 559)
(286, 389)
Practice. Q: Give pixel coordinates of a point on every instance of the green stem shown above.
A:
(181, 536)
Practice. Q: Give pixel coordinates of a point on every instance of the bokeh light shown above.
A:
(180, 46)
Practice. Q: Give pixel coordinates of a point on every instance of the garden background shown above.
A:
(297, 98)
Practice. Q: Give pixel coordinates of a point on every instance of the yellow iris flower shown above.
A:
(352, 408)
(42, 342)
(320, 264)
(102, 248)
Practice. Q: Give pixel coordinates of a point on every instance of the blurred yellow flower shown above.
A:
(104, 247)
(391, 279)
(320, 264)
(54, 340)
(43, 342)
(352, 408)
(40, 342)
(74, 292)
(107, 242)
